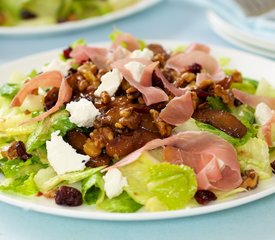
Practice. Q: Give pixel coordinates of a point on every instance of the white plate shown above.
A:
(252, 40)
(231, 37)
(251, 66)
(69, 26)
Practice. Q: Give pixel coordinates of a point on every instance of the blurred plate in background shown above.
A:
(75, 25)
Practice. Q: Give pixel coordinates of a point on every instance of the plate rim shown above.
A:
(12, 200)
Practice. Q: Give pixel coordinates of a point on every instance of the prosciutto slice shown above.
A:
(127, 40)
(197, 47)
(178, 110)
(213, 159)
(253, 100)
(99, 56)
(47, 79)
(150, 94)
(64, 95)
(197, 53)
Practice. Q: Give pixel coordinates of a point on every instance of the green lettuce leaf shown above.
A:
(216, 103)
(265, 89)
(247, 85)
(24, 185)
(47, 179)
(58, 121)
(255, 155)
(170, 185)
(93, 189)
(122, 204)
(9, 90)
(17, 168)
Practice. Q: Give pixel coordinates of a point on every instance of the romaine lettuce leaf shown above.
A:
(247, 85)
(216, 103)
(17, 168)
(265, 89)
(9, 90)
(58, 121)
(122, 204)
(23, 185)
(255, 155)
(172, 185)
(93, 189)
(47, 179)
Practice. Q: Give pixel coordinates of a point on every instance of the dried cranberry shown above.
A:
(67, 52)
(21, 151)
(68, 196)
(272, 164)
(25, 14)
(156, 81)
(202, 94)
(204, 196)
(194, 68)
(51, 98)
(237, 102)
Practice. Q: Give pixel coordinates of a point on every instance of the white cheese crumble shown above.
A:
(145, 53)
(83, 112)
(110, 82)
(263, 113)
(58, 65)
(136, 69)
(114, 183)
(62, 157)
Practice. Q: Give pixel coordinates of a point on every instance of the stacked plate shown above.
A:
(244, 39)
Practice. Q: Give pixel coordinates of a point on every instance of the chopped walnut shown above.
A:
(195, 99)
(164, 128)
(98, 140)
(205, 84)
(226, 96)
(250, 179)
(91, 149)
(131, 122)
(88, 71)
(184, 79)
(126, 112)
(125, 85)
(236, 76)
(105, 97)
(50, 193)
(82, 85)
(132, 93)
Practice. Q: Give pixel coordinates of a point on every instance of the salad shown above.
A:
(39, 12)
(135, 127)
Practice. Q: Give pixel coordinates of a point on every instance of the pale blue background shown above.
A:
(169, 20)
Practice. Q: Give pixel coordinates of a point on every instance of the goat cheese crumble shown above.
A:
(62, 157)
(83, 112)
(114, 183)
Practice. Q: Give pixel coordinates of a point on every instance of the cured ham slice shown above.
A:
(126, 40)
(253, 100)
(169, 86)
(197, 47)
(197, 53)
(150, 94)
(213, 159)
(99, 56)
(47, 79)
(178, 110)
(64, 95)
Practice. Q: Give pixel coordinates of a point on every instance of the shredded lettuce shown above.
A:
(122, 204)
(9, 90)
(255, 155)
(93, 189)
(216, 103)
(47, 179)
(58, 121)
(172, 185)
(265, 89)
(247, 85)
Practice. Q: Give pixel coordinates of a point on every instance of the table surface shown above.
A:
(171, 19)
